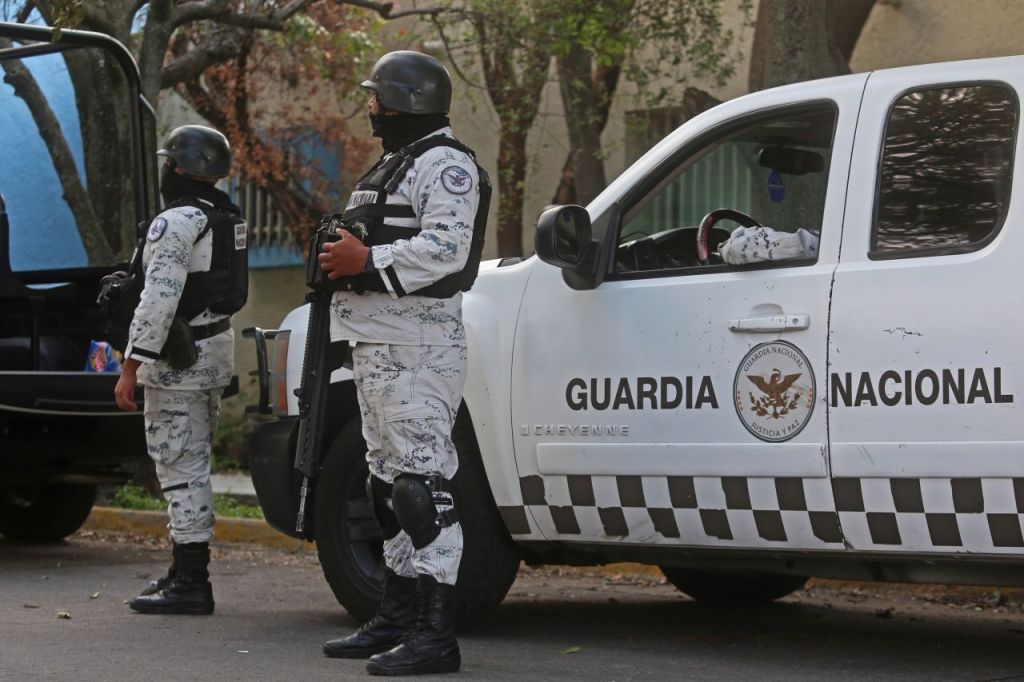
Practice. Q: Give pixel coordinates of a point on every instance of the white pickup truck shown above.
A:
(632, 397)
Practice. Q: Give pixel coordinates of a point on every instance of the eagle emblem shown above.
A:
(775, 401)
(773, 391)
(456, 180)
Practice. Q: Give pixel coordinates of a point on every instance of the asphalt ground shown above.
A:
(63, 617)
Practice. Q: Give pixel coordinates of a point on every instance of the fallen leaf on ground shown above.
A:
(94, 595)
(64, 615)
(571, 650)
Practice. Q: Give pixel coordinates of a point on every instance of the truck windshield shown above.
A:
(66, 171)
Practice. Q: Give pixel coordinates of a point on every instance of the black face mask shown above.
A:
(174, 186)
(398, 130)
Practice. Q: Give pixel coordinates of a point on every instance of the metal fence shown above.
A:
(271, 241)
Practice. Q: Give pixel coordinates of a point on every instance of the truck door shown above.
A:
(925, 376)
(678, 403)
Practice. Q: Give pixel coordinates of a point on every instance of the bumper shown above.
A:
(277, 483)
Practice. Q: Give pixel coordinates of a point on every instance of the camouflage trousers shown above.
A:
(409, 396)
(179, 430)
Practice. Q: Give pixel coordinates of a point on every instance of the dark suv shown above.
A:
(75, 180)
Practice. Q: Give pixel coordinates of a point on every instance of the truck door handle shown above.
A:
(769, 323)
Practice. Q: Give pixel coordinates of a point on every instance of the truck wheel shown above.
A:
(733, 588)
(47, 513)
(349, 540)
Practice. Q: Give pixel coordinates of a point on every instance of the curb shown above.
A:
(154, 524)
(256, 532)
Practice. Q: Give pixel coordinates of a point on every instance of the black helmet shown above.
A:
(198, 150)
(411, 82)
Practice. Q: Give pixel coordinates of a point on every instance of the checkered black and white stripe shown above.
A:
(681, 510)
(942, 515)
(932, 514)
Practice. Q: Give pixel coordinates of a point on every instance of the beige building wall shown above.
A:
(905, 32)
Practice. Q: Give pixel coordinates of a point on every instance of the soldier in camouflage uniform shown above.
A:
(182, 398)
(409, 359)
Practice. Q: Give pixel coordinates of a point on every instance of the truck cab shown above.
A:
(846, 412)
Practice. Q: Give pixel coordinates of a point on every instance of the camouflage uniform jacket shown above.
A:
(170, 253)
(443, 188)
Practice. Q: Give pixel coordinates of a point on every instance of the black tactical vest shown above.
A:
(224, 288)
(367, 218)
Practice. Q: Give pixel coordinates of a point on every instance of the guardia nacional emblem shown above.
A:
(774, 391)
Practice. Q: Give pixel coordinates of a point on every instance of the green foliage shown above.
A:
(657, 44)
(132, 496)
(230, 507)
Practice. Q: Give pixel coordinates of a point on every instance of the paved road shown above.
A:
(274, 610)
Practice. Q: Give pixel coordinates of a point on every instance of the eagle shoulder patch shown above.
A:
(456, 180)
(156, 229)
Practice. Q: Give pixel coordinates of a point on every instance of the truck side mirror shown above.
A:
(563, 237)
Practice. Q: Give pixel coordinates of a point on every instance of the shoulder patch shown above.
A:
(156, 229)
(456, 180)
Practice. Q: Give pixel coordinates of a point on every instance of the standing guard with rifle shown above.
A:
(397, 261)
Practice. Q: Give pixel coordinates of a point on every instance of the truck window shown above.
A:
(69, 181)
(944, 180)
(773, 168)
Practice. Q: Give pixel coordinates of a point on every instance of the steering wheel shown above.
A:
(709, 221)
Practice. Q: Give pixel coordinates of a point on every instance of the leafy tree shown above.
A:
(652, 44)
(593, 44)
(217, 54)
(511, 44)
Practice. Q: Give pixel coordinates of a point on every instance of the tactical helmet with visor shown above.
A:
(411, 82)
(198, 151)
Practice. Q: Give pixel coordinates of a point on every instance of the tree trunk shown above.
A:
(511, 178)
(582, 102)
(156, 36)
(850, 17)
(794, 41)
(603, 85)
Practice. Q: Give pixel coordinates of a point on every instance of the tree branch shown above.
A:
(188, 12)
(220, 46)
(451, 56)
(384, 9)
(24, 13)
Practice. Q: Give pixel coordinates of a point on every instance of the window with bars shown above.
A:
(272, 242)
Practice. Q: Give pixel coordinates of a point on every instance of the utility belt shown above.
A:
(180, 349)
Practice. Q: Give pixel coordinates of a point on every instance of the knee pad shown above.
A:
(379, 492)
(416, 500)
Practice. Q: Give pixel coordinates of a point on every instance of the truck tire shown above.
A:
(52, 512)
(733, 588)
(349, 540)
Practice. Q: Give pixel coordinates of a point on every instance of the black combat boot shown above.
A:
(395, 617)
(160, 583)
(430, 647)
(189, 592)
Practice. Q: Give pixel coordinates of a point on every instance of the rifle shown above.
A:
(316, 372)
